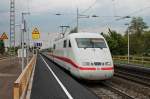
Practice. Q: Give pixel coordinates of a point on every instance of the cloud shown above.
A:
(124, 7)
(45, 9)
(45, 5)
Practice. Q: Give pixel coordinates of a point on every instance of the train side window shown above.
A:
(65, 43)
(69, 44)
(54, 46)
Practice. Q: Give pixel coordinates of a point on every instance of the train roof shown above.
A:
(81, 35)
(85, 35)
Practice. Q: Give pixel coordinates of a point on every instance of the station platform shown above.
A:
(51, 82)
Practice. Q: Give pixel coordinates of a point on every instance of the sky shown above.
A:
(43, 15)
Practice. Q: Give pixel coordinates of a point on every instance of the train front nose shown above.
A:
(97, 73)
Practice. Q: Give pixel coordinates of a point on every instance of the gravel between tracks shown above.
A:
(134, 89)
(131, 88)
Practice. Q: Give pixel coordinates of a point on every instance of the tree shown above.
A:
(136, 30)
(117, 43)
(137, 26)
(2, 47)
(146, 40)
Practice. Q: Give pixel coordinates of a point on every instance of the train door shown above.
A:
(65, 48)
(69, 50)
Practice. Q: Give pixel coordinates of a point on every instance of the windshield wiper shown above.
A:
(101, 47)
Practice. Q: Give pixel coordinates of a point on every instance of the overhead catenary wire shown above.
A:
(87, 9)
(90, 7)
(140, 10)
(115, 12)
(135, 12)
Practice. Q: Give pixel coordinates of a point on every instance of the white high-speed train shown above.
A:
(85, 55)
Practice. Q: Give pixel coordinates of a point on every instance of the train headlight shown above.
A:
(86, 63)
(108, 63)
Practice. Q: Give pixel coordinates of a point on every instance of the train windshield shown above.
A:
(91, 43)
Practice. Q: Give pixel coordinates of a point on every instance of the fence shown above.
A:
(21, 84)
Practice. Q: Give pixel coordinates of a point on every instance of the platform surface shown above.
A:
(51, 82)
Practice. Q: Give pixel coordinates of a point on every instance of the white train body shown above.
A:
(85, 55)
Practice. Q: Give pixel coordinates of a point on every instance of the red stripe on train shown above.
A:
(107, 68)
(76, 66)
(86, 68)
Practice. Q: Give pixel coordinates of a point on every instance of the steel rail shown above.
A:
(118, 91)
(134, 77)
(1, 58)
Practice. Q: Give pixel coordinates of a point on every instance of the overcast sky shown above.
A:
(43, 14)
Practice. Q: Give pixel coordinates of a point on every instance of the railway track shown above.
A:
(134, 89)
(135, 80)
(139, 75)
(1, 58)
(119, 88)
(105, 90)
(121, 93)
(133, 69)
(134, 77)
(127, 83)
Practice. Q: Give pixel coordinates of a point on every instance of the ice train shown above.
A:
(85, 55)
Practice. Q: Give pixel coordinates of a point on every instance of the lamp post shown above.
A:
(23, 28)
(128, 43)
(127, 17)
(28, 45)
(19, 25)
